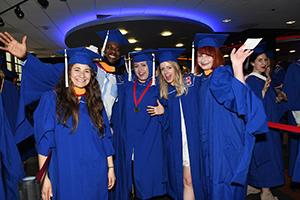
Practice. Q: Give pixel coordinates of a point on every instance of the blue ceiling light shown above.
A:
(91, 18)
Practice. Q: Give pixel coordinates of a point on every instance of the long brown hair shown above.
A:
(1, 80)
(213, 52)
(67, 104)
(178, 81)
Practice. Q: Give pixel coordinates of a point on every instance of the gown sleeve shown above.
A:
(38, 77)
(107, 139)
(228, 91)
(44, 123)
(291, 86)
(164, 118)
(240, 99)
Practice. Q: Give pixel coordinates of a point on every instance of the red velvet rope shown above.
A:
(39, 176)
(284, 127)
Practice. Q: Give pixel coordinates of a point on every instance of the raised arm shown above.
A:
(237, 58)
(18, 49)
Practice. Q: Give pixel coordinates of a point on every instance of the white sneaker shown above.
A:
(268, 196)
(252, 190)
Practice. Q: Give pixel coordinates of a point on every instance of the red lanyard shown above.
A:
(137, 102)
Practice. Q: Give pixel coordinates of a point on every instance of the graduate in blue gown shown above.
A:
(142, 132)
(182, 140)
(266, 169)
(10, 98)
(230, 116)
(71, 123)
(292, 89)
(39, 77)
(11, 166)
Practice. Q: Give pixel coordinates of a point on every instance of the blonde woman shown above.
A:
(182, 141)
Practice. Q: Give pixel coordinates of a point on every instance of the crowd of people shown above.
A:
(136, 127)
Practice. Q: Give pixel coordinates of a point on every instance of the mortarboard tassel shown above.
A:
(193, 59)
(153, 69)
(126, 64)
(104, 43)
(66, 69)
(129, 68)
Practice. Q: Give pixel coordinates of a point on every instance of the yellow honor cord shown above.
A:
(208, 72)
(107, 68)
(79, 91)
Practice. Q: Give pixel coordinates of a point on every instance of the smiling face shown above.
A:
(167, 72)
(141, 70)
(112, 52)
(80, 75)
(260, 64)
(205, 61)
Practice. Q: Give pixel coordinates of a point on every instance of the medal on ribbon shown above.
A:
(137, 102)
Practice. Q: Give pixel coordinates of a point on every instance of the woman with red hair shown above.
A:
(230, 115)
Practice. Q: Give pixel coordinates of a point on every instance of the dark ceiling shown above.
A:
(75, 22)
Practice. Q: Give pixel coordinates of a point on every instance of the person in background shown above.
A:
(10, 97)
(266, 169)
(11, 104)
(230, 116)
(292, 89)
(277, 74)
(182, 139)
(71, 123)
(11, 166)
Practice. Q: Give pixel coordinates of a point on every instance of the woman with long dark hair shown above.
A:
(266, 169)
(71, 123)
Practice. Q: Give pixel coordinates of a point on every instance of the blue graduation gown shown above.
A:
(78, 167)
(141, 135)
(292, 89)
(37, 78)
(278, 75)
(190, 111)
(11, 166)
(230, 117)
(266, 169)
(10, 97)
(11, 102)
(119, 190)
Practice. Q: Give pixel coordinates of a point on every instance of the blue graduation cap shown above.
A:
(270, 53)
(148, 56)
(112, 36)
(168, 54)
(204, 40)
(80, 55)
(209, 39)
(261, 48)
(145, 55)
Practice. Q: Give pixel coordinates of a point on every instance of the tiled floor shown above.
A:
(283, 193)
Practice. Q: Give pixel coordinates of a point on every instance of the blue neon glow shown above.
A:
(89, 16)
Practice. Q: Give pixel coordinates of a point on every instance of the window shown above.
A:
(14, 64)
